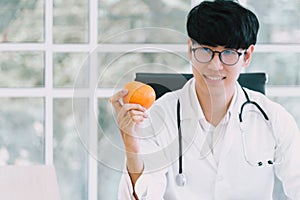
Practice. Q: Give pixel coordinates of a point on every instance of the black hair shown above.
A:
(222, 23)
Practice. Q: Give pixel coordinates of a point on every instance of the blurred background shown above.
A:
(61, 60)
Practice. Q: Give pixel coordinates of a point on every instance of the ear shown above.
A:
(190, 48)
(248, 55)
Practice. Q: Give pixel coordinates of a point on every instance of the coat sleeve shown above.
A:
(154, 135)
(152, 183)
(288, 154)
(148, 186)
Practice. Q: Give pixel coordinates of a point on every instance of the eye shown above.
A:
(205, 49)
(228, 52)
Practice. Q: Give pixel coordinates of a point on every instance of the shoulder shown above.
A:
(168, 101)
(265, 102)
(164, 109)
(165, 105)
(277, 113)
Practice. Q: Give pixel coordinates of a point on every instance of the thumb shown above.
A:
(115, 99)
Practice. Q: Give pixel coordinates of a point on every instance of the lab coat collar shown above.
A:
(191, 112)
(191, 108)
(233, 127)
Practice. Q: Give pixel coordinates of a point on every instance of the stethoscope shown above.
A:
(181, 178)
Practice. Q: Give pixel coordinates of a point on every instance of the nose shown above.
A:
(215, 63)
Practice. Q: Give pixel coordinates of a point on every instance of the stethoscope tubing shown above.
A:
(181, 179)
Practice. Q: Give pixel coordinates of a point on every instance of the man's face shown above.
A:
(218, 75)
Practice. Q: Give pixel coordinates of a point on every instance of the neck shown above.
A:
(214, 105)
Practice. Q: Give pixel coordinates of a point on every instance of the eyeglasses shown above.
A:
(227, 57)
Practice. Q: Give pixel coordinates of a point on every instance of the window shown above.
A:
(60, 61)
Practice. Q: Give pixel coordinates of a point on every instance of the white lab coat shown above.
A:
(233, 178)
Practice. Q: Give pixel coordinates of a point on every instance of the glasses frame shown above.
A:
(220, 54)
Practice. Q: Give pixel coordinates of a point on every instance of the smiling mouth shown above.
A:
(214, 78)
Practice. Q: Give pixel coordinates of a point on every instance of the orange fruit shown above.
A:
(139, 93)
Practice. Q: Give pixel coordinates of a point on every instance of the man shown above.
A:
(231, 148)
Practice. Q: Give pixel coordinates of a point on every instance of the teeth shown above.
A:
(214, 78)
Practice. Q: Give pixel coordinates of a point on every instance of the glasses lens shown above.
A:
(203, 54)
(229, 57)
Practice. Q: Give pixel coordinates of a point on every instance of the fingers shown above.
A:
(129, 116)
(115, 101)
(135, 112)
(137, 115)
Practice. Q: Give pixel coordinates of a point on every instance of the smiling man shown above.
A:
(196, 143)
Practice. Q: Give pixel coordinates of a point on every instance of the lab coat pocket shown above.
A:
(258, 141)
(259, 148)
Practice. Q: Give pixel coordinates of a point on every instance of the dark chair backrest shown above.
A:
(166, 82)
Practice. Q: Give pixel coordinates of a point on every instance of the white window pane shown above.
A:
(117, 17)
(279, 20)
(22, 131)
(22, 21)
(70, 21)
(282, 68)
(70, 69)
(70, 156)
(110, 152)
(21, 69)
(117, 69)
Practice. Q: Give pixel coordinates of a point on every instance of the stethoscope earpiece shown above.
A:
(181, 179)
(270, 162)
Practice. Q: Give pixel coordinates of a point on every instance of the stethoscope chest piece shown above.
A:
(181, 179)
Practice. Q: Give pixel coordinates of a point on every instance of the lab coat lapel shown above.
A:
(189, 118)
(194, 140)
(192, 134)
(233, 128)
(230, 135)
